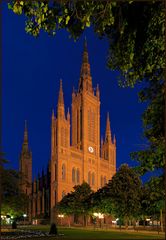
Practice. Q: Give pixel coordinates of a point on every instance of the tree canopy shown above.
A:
(14, 201)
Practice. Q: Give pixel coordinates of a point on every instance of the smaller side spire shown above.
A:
(68, 115)
(114, 139)
(108, 129)
(97, 91)
(25, 133)
(25, 142)
(60, 98)
(101, 141)
(60, 106)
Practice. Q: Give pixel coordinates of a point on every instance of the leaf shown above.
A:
(67, 19)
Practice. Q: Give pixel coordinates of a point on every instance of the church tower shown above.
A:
(86, 123)
(26, 165)
(108, 149)
(60, 144)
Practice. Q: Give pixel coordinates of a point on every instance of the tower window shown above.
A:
(89, 178)
(101, 181)
(78, 176)
(63, 172)
(105, 181)
(73, 175)
(93, 179)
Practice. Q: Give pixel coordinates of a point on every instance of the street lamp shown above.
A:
(24, 215)
(61, 216)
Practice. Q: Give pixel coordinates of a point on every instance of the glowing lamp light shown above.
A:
(95, 214)
(24, 215)
(99, 215)
(60, 215)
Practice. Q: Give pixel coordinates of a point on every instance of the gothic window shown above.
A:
(105, 180)
(93, 179)
(80, 124)
(101, 181)
(89, 178)
(26, 171)
(66, 137)
(73, 175)
(55, 173)
(62, 136)
(78, 176)
(92, 127)
(89, 132)
(63, 172)
(77, 126)
(63, 194)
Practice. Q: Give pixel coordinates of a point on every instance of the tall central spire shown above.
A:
(25, 143)
(85, 75)
(61, 109)
(60, 98)
(108, 129)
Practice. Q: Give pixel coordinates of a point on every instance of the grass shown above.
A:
(83, 234)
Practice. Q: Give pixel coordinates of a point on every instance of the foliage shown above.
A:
(125, 191)
(77, 202)
(153, 197)
(14, 202)
(101, 202)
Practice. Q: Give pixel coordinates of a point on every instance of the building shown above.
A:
(77, 154)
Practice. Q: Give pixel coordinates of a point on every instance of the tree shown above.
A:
(125, 191)
(77, 202)
(101, 201)
(11, 194)
(153, 199)
(135, 31)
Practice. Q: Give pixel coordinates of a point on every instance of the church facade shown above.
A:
(77, 152)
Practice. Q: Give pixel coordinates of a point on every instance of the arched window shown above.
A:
(63, 172)
(73, 175)
(105, 181)
(63, 194)
(93, 179)
(78, 176)
(89, 178)
(62, 136)
(101, 181)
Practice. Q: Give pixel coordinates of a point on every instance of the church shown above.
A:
(77, 151)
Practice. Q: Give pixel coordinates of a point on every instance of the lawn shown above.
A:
(83, 234)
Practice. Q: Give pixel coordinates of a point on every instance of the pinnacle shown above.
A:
(60, 99)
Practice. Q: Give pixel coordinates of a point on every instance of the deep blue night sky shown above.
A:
(32, 69)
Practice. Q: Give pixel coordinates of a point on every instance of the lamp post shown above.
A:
(24, 215)
(61, 216)
(100, 216)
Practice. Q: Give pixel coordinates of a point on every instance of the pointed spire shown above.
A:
(53, 116)
(85, 76)
(60, 99)
(25, 142)
(68, 114)
(25, 133)
(108, 129)
(97, 91)
(101, 141)
(61, 109)
(85, 53)
(114, 139)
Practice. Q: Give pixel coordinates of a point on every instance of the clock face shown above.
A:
(91, 150)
